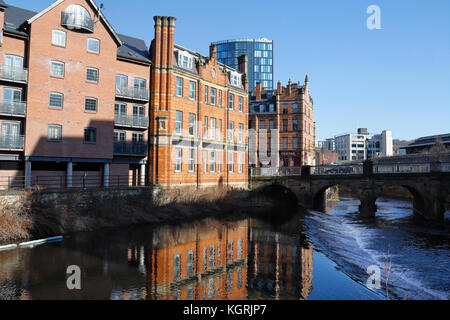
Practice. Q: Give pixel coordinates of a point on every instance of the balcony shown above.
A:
(132, 93)
(13, 109)
(131, 121)
(14, 74)
(12, 143)
(130, 149)
(72, 21)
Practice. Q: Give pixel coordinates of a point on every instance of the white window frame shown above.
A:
(241, 133)
(205, 161)
(58, 136)
(241, 104)
(87, 73)
(191, 163)
(178, 160)
(240, 162)
(178, 123)
(54, 63)
(50, 99)
(213, 96)
(213, 129)
(96, 40)
(178, 87)
(212, 163)
(192, 90)
(92, 99)
(55, 36)
(230, 161)
(192, 116)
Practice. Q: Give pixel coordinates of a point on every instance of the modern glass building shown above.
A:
(260, 59)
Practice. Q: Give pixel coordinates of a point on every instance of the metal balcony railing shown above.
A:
(14, 74)
(11, 108)
(133, 93)
(12, 143)
(72, 21)
(131, 121)
(130, 149)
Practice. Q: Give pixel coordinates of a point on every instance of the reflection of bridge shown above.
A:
(428, 182)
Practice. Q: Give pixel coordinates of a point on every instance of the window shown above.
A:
(220, 130)
(12, 95)
(231, 105)
(205, 134)
(90, 135)
(219, 163)
(192, 89)
(213, 162)
(295, 108)
(211, 257)
(205, 161)
(179, 87)
(54, 132)
(121, 81)
(138, 111)
(90, 104)
(285, 143)
(59, 38)
(92, 74)
(191, 124)
(295, 125)
(230, 251)
(231, 132)
(241, 133)
(177, 267)
(213, 128)
(191, 163)
(57, 69)
(185, 61)
(240, 162)
(213, 96)
(190, 264)
(285, 125)
(56, 100)
(241, 104)
(262, 125)
(93, 45)
(140, 84)
(119, 136)
(271, 124)
(218, 255)
(206, 94)
(295, 143)
(230, 162)
(285, 108)
(120, 109)
(178, 122)
(220, 98)
(239, 249)
(137, 138)
(13, 62)
(205, 266)
(178, 158)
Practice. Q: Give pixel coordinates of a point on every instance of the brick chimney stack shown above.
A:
(213, 52)
(279, 88)
(290, 87)
(258, 91)
(243, 68)
(162, 57)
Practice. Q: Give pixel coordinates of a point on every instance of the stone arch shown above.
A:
(318, 200)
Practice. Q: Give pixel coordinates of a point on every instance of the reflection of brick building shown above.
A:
(290, 110)
(198, 263)
(280, 265)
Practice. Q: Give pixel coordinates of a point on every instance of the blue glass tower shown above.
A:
(260, 59)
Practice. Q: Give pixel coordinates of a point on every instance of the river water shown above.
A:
(311, 256)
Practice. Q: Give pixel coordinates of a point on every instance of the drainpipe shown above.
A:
(197, 160)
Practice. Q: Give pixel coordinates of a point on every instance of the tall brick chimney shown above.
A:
(243, 68)
(279, 88)
(258, 91)
(162, 57)
(213, 52)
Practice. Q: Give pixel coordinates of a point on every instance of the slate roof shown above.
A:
(428, 141)
(132, 48)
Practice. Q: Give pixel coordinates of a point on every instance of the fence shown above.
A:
(402, 168)
(61, 182)
(276, 172)
(337, 170)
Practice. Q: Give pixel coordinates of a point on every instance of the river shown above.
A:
(311, 256)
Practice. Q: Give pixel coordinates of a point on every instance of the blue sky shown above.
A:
(396, 78)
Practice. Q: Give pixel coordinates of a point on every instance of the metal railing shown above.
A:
(14, 74)
(12, 143)
(133, 93)
(337, 170)
(402, 168)
(70, 20)
(60, 182)
(445, 167)
(276, 172)
(130, 149)
(12, 108)
(131, 121)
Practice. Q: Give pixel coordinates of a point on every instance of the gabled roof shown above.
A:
(97, 9)
(133, 48)
(15, 17)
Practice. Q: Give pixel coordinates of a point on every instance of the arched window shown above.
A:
(76, 16)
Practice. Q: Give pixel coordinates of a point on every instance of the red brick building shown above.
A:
(290, 111)
(199, 115)
(76, 108)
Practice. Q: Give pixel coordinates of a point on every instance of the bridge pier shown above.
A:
(368, 207)
(432, 208)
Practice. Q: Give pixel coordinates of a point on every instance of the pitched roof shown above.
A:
(2, 4)
(131, 48)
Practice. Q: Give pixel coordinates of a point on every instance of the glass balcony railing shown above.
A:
(131, 121)
(133, 93)
(15, 74)
(12, 143)
(11, 108)
(72, 21)
(131, 149)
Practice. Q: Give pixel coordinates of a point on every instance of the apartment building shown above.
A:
(74, 97)
(199, 115)
(290, 110)
(76, 108)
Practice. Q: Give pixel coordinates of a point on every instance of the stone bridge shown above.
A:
(428, 183)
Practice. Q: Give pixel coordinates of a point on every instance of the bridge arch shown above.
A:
(319, 194)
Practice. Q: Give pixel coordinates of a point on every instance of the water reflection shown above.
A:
(208, 260)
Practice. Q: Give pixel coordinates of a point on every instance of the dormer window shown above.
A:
(185, 60)
(77, 17)
(235, 79)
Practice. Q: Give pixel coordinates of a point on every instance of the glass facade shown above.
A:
(260, 59)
